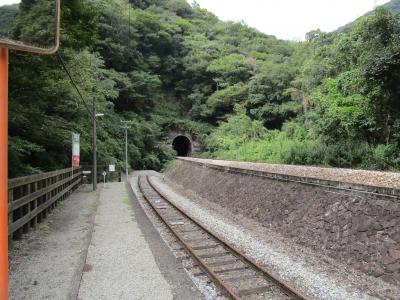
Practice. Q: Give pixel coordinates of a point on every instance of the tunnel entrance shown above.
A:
(182, 145)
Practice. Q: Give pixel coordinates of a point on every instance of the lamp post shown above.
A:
(94, 149)
(125, 126)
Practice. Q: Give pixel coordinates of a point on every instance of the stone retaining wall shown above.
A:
(361, 229)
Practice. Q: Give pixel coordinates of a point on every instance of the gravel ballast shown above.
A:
(289, 268)
(359, 229)
(321, 276)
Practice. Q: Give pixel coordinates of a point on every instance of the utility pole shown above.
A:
(125, 126)
(4, 173)
(94, 150)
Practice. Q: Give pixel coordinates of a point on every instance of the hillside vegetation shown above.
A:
(7, 14)
(164, 64)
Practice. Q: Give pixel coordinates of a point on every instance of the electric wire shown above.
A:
(72, 81)
(74, 84)
(79, 92)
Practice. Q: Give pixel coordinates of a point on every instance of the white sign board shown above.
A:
(111, 168)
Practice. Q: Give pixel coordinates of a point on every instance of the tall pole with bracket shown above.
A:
(17, 45)
(125, 126)
(3, 173)
(94, 149)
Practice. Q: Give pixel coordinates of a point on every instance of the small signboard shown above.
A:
(104, 177)
(75, 150)
(111, 168)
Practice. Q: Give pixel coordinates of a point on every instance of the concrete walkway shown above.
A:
(120, 264)
(47, 263)
(97, 246)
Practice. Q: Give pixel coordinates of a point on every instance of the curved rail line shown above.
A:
(250, 278)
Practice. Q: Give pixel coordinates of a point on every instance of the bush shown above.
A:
(240, 138)
(306, 153)
(383, 157)
(347, 154)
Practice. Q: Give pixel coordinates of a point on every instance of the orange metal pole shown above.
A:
(3, 174)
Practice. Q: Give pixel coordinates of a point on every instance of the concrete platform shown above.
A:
(97, 246)
(46, 264)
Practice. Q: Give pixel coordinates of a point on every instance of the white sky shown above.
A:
(290, 19)
(2, 2)
(286, 19)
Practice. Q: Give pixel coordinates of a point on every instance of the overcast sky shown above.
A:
(2, 2)
(290, 19)
(287, 19)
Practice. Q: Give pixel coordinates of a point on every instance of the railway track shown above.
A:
(237, 276)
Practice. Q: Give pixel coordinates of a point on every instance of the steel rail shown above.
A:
(231, 293)
(285, 287)
(268, 275)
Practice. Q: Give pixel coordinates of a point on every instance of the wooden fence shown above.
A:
(31, 198)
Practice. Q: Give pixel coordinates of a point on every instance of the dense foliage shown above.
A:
(7, 14)
(167, 65)
(347, 84)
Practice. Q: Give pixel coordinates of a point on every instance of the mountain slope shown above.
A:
(7, 13)
(393, 6)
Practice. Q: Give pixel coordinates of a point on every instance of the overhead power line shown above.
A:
(72, 81)
(74, 84)
(90, 111)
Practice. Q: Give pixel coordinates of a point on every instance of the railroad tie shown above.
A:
(241, 278)
(219, 254)
(223, 271)
(223, 263)
(232, 270)
(205, 247)
(219, 263)
(256, 290)
(178, 223)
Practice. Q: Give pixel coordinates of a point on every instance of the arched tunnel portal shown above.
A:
(182, 145)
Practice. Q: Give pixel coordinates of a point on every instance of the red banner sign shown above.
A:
(75, 150)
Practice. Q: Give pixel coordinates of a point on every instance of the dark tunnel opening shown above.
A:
(182, 146)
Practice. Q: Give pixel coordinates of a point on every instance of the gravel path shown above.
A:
(318, 279)
(373, 178)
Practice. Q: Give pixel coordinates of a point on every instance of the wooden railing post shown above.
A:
(32, 198)
(10, 215)
(26, 208)
(35, 205)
